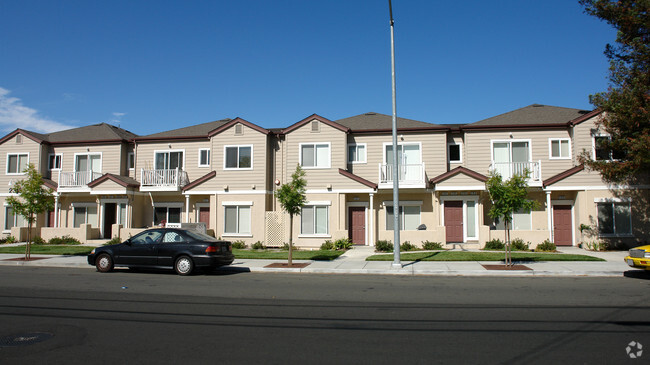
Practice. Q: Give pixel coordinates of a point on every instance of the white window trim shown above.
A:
(209, 157)
(460, 149)
(419, 144)
(15, 154)
(231, 203)
(60, 155)
(509, 141)
(365, 147)
(101, 159)
(155, 152)
(167, 205)
(5, 230)
(250, 224)
(403, 204)
(550, 148)
(465, 199)
(316, 235)
(238, 147)
(85, 206)
(329, 152)
(512, 227)
(131, 156)
(593, 146)
(614, 201)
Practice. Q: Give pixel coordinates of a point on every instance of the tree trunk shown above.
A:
(290, 239)
(508, 257)
(28, 247)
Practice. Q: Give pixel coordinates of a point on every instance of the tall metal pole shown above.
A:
(396, 226)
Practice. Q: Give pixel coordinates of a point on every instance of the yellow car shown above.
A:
(639, 257)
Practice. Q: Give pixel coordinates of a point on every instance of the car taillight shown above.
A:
(211, 249)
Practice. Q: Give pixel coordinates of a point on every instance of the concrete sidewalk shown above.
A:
(353, 262)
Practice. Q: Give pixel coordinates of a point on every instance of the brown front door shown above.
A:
(357, 225)
(50, 218)
(562, 230)
(204, 216)
(454, 220)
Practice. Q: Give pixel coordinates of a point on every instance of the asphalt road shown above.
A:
(81, 316)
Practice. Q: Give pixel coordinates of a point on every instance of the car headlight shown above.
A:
(647, 255)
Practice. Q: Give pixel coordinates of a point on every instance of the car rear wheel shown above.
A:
(104, 263)
(184, 265)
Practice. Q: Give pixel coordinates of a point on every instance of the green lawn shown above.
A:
(49, 250)
(320, 255)
(482, 256)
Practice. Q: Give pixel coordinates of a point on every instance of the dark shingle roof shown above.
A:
(198, 130)
(535, 114)
(95, 132)
(376, 121)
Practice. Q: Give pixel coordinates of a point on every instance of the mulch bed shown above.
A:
(506, 267)
(23, 259)
(285, 265)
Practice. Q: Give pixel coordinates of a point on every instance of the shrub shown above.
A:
(428, 245)
(546, 246)
(597, 245)
(258, 246)
(518, 244)
(384, 246)
(65, 240)
(239, 244)
(495, 244)
(407, 246)
(113, 241)
(343, 244)
(38, 240)
(285, 246)
(327, 245)
(11, 239)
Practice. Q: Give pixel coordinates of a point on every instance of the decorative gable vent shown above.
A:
(315, 126)
(19, 139)
(239, 129)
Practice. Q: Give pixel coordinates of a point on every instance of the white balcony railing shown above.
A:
(77, 179)
(410, 175)
(163, 179)
(508, 169)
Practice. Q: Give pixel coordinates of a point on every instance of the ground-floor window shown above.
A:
(237, 219)
(85, 215)
(409, 217)
(614, 218)
(168, 214)
(314, 219)
(521, 221)
(13, 220)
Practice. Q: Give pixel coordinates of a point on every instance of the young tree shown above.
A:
(292, 198)
(32, 200)
(508, 197)
(626, 104)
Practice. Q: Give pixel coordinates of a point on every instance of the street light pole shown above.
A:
(396, 226)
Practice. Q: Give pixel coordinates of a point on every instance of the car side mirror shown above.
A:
(128, 242)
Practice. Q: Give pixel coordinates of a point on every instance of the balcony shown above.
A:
(508, 169)
(410, 176)
(163, 179)
(78, 180)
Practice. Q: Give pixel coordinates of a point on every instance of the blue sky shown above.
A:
(151, 66)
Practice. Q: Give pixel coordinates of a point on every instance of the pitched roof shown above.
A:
(193, 131)
(532, 115)
(95, 132)
(563, 175)
(319, 118)
(358, 179)
(120, 180)
(200, 180)
(377, 122)
(235, 121)
(456, 171)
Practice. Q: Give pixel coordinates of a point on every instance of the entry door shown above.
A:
(562, 229)
(357, 225)
(50, 218)
(110, 218)
(204, 216)
(454, 220)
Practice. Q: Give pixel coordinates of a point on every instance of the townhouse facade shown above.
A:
(110, 182)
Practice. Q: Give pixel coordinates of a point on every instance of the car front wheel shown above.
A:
(104, 263)
(184, 265)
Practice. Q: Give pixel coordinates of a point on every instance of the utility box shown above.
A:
(199, 227)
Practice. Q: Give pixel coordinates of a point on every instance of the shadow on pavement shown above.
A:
(637, 274)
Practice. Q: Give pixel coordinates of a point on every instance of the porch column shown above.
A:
(187, 208)
(56, 210)
(371, 221)
(549, 215)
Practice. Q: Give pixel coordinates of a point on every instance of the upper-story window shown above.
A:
(17, 163)
(88, 162)
(357, 153)
(130, 161)
(559, 148)
(238, 157)
(603, 150)
(204, 157)
(54, 162)
(315, 155)
(454, 152)
(169, 160)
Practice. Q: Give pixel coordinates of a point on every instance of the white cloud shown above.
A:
(13, 114)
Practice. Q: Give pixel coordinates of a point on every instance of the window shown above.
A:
(409, 217)
(13, 220)
(315, 155)
(357, 153)
(204, 157)
(88, 162)
(454, 153)
(85, 215)
(17, 163)
(237, 219)
(521, 221)
(603, 150)
(559, 148)
(130, 161)
(146, 237)
(169, 160)
(314, 220)
(238, 157)
(168, 214)
(614, 218)
(54, 162)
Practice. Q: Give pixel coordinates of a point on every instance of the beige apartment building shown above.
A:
(109, 181)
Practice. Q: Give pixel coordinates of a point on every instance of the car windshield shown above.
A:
(200, 236)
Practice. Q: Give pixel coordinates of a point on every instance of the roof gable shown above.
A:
(124, 181)
(458, 170)
(235, 121)
(319, 118)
